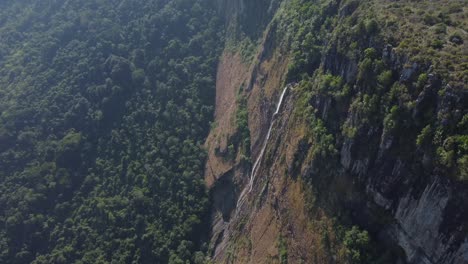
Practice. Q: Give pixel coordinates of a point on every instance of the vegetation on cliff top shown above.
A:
(397, 78)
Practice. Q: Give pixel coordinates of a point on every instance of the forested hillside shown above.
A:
(104, 106)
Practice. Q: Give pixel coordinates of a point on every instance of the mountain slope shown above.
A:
(372, 134)
(104, 106)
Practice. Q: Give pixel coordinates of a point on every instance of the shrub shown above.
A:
(138, 76)
(231, 152)
(445, 157)
(463, 168)
(360, 29)
(283, 250)
(455, 7)
(430, 20)
(437, 44)
(463, 124)
(242, 126)
(348, 131)
(357, 245)
(365, 69)
(422, 80)
(425, 137)
(331, 83)
(370, 53)
(372, 27)
(440, 28)
(385, 78)
(390, 121)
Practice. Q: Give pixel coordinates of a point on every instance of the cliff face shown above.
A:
(343, 147)
(429, 210)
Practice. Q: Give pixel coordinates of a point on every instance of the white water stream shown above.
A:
(257, 163)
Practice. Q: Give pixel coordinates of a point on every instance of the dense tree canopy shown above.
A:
(104, 105)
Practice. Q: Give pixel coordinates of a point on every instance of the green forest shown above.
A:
(104, 106)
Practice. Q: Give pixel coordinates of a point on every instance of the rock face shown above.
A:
(417, 196)
(421, 210)
(419, 199)
(419, 221)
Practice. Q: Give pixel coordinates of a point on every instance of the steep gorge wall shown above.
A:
(419, 197)
(377, 179)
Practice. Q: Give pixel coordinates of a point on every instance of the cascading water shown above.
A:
(253, 173)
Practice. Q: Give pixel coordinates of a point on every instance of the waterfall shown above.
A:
(257, 163)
